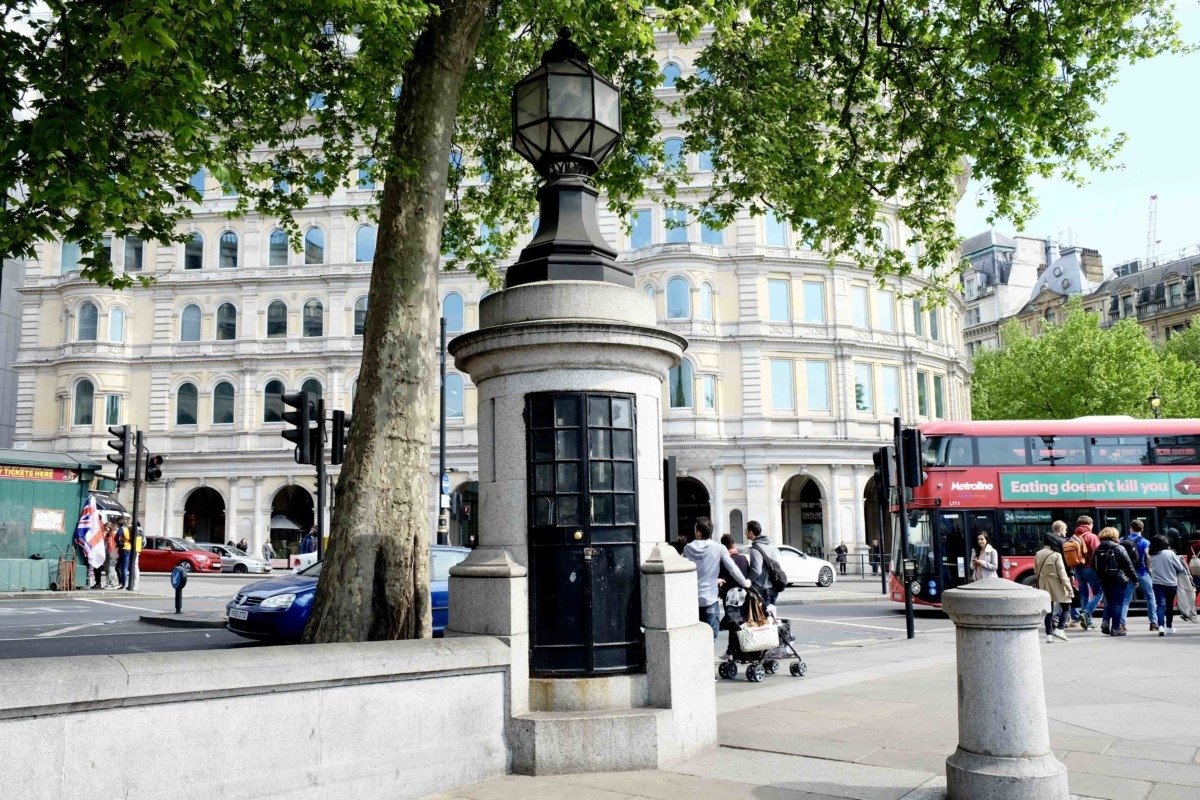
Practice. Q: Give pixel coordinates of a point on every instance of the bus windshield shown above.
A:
(920, 543)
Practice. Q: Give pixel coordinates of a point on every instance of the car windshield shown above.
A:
(311, 572)
(181, 547)
(442, 561)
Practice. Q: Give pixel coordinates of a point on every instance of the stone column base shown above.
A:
(970, 776)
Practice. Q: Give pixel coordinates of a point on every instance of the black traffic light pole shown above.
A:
(131, 569)
(443, 526)
(320, 457)
(901, 483)
(885, 497)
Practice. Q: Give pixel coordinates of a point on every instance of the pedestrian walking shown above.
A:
(309, 543)
(709, 558)
(122, 561)
(1090, 589)
(243, 545)
(1165, 572)
(1051, 572)
(1141, 564)
(110, 555)
(1116, 572)
(762, 551)
(726, 581)
(986, 561)
(841, 550)
(876, 556)
(1075, 556)
(268, 551)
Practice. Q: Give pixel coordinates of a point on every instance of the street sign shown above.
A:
(445, 483)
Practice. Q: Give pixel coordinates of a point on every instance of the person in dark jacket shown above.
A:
(725, 580)
(1115, 570)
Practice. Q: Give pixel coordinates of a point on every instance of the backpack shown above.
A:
(1074, 552)
(1135, 554)
(1108, 563)
(776, 577)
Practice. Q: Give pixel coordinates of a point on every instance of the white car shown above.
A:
(235, 560)
(801, 568)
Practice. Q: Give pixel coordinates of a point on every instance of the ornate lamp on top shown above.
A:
(566, 122)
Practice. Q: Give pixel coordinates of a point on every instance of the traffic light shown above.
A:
(153, 468)
(301, 419)
(885, 467)
(912, 443)
(121, 445)
(341, 426)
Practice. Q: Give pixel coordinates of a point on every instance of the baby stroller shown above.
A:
(757, 638)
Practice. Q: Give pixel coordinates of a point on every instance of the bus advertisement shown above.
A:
(1012, 479)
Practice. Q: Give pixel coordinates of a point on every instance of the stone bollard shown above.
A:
(1003, 739)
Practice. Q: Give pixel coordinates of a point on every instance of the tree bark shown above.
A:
(375, 579)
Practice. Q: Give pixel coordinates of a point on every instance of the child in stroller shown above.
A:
(751, 642)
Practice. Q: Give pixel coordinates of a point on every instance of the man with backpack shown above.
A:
(1140, 555)
(1091, 591)
(765, 572)
(1075, 552)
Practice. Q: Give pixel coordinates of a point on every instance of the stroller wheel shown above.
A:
(755, 673)
(724, 671)
(799, 668)
(772, 666)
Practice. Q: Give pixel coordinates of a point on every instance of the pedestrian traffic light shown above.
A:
(912, 443)
(153, 468)
(121, 444)
(341, 427)
(301, 419)
(884, 459)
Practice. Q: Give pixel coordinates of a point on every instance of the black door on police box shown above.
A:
(584, 579)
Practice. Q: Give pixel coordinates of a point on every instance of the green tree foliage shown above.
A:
(1186, 343)
(1077, 368)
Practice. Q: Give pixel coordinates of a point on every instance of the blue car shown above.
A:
(278, 609)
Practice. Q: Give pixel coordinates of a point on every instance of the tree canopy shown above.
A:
(1078, 368)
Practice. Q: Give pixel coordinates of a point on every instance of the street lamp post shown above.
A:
(1155, 404)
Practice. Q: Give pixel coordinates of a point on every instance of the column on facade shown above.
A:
(843, 378)
(231, 517)
(757, 497)
(774, 504)
(860, 530)
(248, 392)
(337, 314)
(720, 523)
(335, 387)
(831, 509)
(168, 509)
(256, 531)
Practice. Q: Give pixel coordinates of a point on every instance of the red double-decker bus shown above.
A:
(1011, 480)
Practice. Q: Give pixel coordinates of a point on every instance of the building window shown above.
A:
(365, 181)
(818, 385)
(70, 257)
(783, 396)
(670, 74)
(313, 387)
(934, 324)
(705, 161)
(922, 395)
(864, 387)
(708, 385)
(860, 313)
(185, 404)
(679, 385)
(640, 229)
(454, 396)
(885, 234)
(814, 302)
(673, 153)
(776, 230)
(679, 299)
(779, 301)
(939, 398)
(706, 302)
(85, 400)
(452, 310)
(112, 409)
(277, 320)
(273, 402)
(198, 180)
(1175, 294)
(193, 252)
(223, 404)
(676, 219)
(133, 254)
(86, 329)
(227, 251)
(889, 379)
(226, 322)
(314, 246)
(313, 318)
(364, 244)
(711, 235)
(885, 310)
(1127, 306)
(277, 249)
(360, 316)
(116, 325)
(106, 249)
(918, 318)
(189, 323)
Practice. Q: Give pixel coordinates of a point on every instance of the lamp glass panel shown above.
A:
(571, 96)
(608, 105)
(602, 138)
(567, 136)
(531, 101)
(538, 136)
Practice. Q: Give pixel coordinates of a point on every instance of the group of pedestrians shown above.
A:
(720, 567)
(1112, 568)
(114, 572)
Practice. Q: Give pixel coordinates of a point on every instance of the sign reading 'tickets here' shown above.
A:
(1100, 486)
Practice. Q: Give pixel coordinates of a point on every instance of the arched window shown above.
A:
(193, 252)
(277, 320)
(116, 325)
(670, 74)
(705, 161)
(185, 404)
(679, 385)
(885, 234)
(198, 180)
(365, 181)
(314, 246)
(314, 386)
(86, 330)
(364, 244)
(706, 302)
(313, 318)
(273, 402)
(452, 310)
(673, 153)
(85, 401)
(226, 322)
(189, 323)
(277, 249)
(650, 290)
(679, 299)
(228, 251)
(70, 257)
(223, 404)
(360, 316)
(454, 396)
(134, 250)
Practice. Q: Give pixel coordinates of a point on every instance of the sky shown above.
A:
(1155, 104)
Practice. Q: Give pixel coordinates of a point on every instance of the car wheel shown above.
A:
(1029, 580)
(825, 578)
(240, 569)
(186, 566)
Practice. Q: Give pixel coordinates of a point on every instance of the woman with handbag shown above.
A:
(986, 561)
(1051, 572)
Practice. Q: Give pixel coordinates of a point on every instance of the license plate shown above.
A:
(237, 613)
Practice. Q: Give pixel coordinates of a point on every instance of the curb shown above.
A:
(186, 620)
(81, 594)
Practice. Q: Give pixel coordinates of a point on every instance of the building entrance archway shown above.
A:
(875, 515)
(803, 515)
(292, 515)
(204, 516)
(692, 504)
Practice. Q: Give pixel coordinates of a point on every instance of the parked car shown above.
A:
(801, 568)
(302, 561)
(165, 553)
(278, 609)
(235, 560)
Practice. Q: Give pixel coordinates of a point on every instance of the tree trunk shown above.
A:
(375, 580)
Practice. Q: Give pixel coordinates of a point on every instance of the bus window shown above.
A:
(1001, 451)
(953, 542)
(1058, 451)
(920, 544)
(929, 456)
(1182, 528)
(960, 452)
(1120, 450)
(1177, 449)
(1023, 529)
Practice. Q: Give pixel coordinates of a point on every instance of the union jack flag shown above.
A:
(89, 535)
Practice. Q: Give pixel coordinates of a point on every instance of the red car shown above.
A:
(163, 554)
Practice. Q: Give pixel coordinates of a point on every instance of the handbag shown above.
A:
(1194, 565)
(753, 640)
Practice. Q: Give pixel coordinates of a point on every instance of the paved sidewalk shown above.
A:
(877, 722)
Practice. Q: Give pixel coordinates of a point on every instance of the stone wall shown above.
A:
(373, 720)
